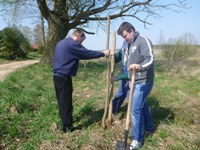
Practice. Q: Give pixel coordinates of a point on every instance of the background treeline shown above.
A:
(13, 44)
(17, 42)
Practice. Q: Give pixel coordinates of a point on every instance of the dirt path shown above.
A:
(10, 67)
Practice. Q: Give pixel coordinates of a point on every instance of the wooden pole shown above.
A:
(112, 84)
(108, 75)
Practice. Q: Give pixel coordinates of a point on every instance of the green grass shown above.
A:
(29, 112)
(30, 56)
(34, 55)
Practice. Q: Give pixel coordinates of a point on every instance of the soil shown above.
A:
(5, 69)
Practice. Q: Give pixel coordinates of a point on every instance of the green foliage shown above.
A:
(41, 49)
(14, 44)
(34, 55)
(163, 134)
(177, 53)
(26, 46)
(0, 39)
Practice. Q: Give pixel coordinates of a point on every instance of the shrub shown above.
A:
(177, 53)
(13, 43)
(26, 46)
(41, 49)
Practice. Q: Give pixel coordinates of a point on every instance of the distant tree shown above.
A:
(0, 40)
(14, 44)
(178, 51)
(26, 46)
(64, 15)
(188, 38)
(43, 30)
(161, 40)
(27, 32)
(37, 34)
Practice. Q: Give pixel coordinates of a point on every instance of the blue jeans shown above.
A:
(122, 92)
(140, 113)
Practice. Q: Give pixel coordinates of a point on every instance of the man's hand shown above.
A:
(134, 67)
(106, 52)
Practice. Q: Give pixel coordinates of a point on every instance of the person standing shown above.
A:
(140, 58)
(123, 88)
(66, 58)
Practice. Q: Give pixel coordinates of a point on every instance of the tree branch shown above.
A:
(43, 8)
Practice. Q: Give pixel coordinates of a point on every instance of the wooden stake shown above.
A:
(111, 84)
(108, 75)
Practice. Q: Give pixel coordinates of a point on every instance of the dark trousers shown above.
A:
(64, 89)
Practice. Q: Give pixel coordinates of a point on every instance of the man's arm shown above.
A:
(147, 53)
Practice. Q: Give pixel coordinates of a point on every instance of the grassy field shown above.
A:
(29, 113)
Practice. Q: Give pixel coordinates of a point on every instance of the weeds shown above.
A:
(177, 56)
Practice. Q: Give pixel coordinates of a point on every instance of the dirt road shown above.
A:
(10, 67)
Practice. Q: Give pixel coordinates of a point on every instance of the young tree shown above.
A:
(27, 32)
(64, 15)
(38, 39)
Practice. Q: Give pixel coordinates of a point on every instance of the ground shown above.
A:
(12, 66)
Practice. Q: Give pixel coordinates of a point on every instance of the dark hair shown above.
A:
(79, 32)
(125, 26)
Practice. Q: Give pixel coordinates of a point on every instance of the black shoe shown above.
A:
(67, 129)
(149, 132)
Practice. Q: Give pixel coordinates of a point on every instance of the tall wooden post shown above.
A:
(111, 84)
(108, 75)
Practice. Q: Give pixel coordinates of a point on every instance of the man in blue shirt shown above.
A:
(67, 54)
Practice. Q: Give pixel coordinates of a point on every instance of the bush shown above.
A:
(177, 54)
(26, 46)
(14, 44)
(41, 49)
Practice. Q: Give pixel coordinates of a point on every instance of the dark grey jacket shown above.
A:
(141, 52)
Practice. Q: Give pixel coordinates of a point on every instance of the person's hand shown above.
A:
(134, 67)
(106, 52)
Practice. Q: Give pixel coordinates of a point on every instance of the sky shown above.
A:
(171, 25)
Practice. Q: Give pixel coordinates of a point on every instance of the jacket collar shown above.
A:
(136, 34)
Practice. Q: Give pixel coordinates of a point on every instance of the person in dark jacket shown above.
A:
(139, 58)
(67, 54)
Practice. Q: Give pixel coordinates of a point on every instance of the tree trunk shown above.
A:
(56, 31)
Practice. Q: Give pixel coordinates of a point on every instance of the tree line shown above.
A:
(16, 42)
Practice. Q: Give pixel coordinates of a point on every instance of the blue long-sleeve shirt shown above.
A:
(67, 54)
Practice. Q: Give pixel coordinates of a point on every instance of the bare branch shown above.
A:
(88, 32)
(44, 9)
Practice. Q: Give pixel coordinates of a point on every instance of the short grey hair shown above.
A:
(79, 32)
